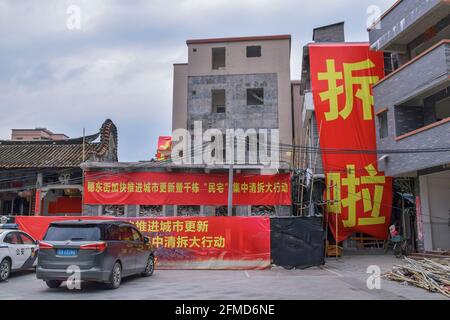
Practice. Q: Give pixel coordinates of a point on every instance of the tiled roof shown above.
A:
(56, 154)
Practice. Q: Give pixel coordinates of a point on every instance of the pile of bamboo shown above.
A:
(430, 274)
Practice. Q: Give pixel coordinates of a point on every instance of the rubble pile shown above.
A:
(430, 274)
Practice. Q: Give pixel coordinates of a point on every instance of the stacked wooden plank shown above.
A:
(430, 274)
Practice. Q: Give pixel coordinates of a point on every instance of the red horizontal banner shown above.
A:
(153, 188)
(191, 242)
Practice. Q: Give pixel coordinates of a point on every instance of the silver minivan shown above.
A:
(100, 250)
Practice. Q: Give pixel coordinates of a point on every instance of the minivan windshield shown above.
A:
(73, 233)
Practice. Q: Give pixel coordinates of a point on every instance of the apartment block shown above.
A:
(412, 105)
(236, 83)
(36, 134)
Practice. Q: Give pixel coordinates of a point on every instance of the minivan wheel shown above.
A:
(149, 267)
(53, 284)
(116, 277)
(5, 270)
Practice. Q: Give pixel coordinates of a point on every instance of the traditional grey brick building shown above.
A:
(37, 163)
(412, 104)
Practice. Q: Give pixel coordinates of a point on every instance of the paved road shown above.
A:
(343, 279)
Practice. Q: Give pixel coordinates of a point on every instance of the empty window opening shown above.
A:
(218, 58)
(218, 101)
(422, 111)
(383, 125)
(442, 109)
(253, 51)
(255, 97)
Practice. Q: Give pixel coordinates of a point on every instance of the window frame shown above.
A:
(254, 47)
(437, 105)
(136, 232)
(27, 237)
(13, 234)
(383, 119)
(214, 65)
(214, 106)
(123, 227)
(262, 103)
(108, 232)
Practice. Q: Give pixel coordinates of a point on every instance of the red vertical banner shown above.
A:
(359, 197)
(37, 204)
(164, 147)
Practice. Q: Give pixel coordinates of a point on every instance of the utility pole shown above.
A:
(84, 141)
(231, 171)
(82, 172)
(230, 189)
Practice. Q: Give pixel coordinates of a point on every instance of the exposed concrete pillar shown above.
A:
(419, 219)
(90, 210)
(131, 211)
(426, 214)
(39, 184)
(241, 211)
(283, 211)
(209, 211)
(47, 197)
(168, 211)
(39, 181)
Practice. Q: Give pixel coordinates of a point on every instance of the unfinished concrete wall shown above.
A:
(274, 59)
(179, 103)
(238, 114)
(330, 33)
(435, 202)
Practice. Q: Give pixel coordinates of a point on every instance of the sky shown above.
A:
(66, 74)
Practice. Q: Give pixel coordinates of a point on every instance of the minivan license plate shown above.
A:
(67, 252)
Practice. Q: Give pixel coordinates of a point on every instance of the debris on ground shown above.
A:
(431, 254)
(430, 274)
(333, 250)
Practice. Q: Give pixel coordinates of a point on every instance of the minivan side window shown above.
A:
(112, 233)
(137, 236)
(126, 233)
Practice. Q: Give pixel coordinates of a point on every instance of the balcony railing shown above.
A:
(404, 21)
(420, 75)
